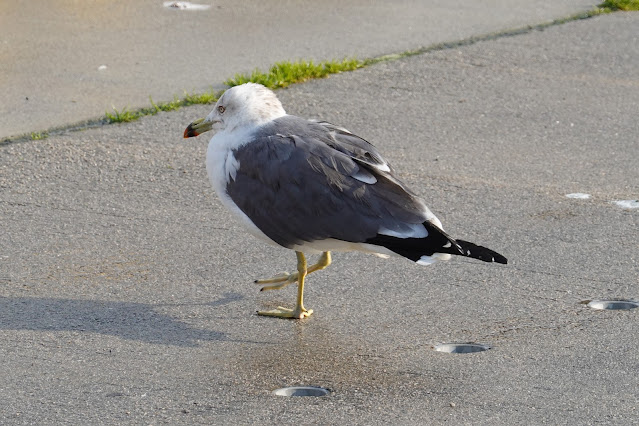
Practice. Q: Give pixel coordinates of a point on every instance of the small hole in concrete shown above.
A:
(461, 348)
(612, 304)
(302, 391)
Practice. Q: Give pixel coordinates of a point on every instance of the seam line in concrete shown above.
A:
(98, 122)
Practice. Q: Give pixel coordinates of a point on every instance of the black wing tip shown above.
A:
(498, 258)
(481, 253)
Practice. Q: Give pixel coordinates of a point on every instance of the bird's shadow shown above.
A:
(126, 320)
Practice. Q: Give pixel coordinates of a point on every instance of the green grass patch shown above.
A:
(165, 106)
(123, 116)
(36, 136)
(209, 97)
(285, 73)
(281, 74)
(620, 5)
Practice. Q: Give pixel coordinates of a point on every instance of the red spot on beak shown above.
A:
(189, 132)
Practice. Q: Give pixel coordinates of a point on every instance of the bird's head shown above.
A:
(249, 104)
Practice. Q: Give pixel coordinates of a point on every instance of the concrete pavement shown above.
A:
(126, 287)
(63, 62)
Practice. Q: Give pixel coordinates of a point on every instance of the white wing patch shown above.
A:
(417, 230)
(364, 176)
(382, 167)
(230, 167)
(429, 260)
(426, 260)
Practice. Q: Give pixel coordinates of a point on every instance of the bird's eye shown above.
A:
(221, 109)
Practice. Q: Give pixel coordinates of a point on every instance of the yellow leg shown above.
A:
(283, 279)
(299, 312)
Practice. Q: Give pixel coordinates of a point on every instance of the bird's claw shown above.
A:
(283, 277)
(280, 312)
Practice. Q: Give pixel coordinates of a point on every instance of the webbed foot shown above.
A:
(280, 312)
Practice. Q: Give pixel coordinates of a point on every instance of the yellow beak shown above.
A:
(197, 127)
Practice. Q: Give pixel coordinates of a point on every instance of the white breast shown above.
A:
(221, 167)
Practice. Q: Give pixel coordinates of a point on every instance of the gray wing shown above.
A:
(299, 181)
(352, 145)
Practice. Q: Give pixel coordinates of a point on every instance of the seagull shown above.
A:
(314, 187)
